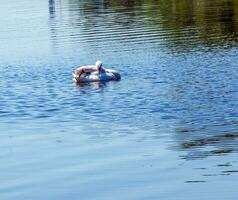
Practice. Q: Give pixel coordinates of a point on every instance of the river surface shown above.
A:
(168, 130)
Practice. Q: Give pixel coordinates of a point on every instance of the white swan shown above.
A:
(93, 73)
(107, 75)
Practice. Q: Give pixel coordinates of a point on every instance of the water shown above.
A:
(167, 130)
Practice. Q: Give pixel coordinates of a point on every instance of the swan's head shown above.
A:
(98, 64)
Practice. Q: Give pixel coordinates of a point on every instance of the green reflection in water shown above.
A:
(195, 22)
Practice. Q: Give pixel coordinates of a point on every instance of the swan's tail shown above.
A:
(115, 73)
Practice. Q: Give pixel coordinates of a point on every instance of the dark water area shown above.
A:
(167, 130)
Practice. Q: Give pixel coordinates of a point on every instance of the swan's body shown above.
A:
(108, 75)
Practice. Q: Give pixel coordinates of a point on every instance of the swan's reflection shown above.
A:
(94, 84)
(91, 86)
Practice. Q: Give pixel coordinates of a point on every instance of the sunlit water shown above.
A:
(167, 130)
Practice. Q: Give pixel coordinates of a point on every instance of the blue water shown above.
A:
(167, 130)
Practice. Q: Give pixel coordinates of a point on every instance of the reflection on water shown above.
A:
(52, 8)
(223, 144)
(169, 127)
(178, 25)
(91, 86)
(209, 22)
